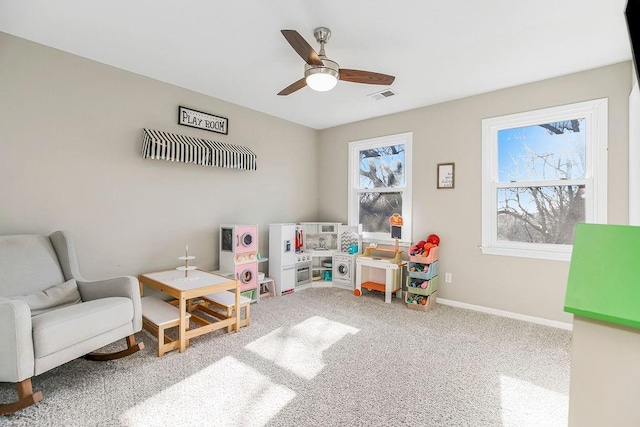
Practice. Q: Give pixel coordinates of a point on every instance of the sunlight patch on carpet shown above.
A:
(299, 349)
(526, 404)
(227, 393)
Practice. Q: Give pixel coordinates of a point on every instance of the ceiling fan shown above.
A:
(321, 73)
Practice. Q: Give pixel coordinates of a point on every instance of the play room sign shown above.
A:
(200, 120)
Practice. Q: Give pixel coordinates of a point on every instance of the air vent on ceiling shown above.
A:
(382, 94)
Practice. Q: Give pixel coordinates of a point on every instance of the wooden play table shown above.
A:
(185, 290)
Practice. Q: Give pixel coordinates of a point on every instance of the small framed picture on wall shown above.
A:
(446, 175)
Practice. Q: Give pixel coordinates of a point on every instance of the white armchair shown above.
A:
(50, 314)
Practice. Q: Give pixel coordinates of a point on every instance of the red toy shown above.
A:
(434, 239)
(423, 247)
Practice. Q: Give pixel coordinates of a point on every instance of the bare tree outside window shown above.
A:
(382, 170)
(541, 193)
(543, 171)
(377, 208)
(380, 185)
(382, 167)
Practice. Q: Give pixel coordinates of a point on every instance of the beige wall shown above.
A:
(70, 142)
(451, 132)
(70, 135)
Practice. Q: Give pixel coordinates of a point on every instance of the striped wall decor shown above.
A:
(186, 149)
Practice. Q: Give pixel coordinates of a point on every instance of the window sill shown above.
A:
(527, 253)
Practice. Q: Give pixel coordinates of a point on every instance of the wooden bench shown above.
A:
(226, 301)
(157, 316)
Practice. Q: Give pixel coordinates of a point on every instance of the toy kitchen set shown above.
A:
(312, 254)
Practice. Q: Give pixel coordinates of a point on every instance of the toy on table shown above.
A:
(186, 267)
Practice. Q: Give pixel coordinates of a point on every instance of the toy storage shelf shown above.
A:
(321, 261)
(422, 280)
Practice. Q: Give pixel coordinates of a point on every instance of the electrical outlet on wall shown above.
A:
(448, 278)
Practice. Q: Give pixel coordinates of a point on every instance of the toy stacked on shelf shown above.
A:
(422, 280)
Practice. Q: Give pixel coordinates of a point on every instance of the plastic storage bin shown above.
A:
(423, 271)
(251, 293)
(416, 303)
(422, 287)
(433, 256)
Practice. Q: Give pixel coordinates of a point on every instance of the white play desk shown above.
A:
(371, 270)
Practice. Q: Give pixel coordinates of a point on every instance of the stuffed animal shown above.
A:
(423, 247)
(433, 238)
(427, 247)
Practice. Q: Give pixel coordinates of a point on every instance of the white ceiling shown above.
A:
(234, 51)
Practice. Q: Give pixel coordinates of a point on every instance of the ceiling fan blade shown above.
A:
(293, 87)
(359, 76)
(301, 46)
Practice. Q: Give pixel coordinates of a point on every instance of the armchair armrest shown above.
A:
(16, 351)
(125, 286)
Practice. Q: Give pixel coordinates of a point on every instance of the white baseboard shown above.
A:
(509, 314)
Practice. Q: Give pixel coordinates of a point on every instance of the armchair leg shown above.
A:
(26, 397)
(132, 347)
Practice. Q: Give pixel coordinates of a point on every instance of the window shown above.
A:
(544, 171)
(380, 184)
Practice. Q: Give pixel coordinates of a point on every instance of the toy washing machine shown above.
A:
(239, 254)
(344, 272)
(238, 239)
(247, 274)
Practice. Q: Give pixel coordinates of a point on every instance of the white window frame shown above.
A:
(595, 114)
(405, 139)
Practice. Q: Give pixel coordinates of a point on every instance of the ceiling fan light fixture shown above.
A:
(322, 82)
(324, 78)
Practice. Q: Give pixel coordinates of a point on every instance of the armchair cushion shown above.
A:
(58, 329)
(52, 298)
(124, 286)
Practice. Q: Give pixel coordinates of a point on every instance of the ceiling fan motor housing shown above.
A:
(330, 67)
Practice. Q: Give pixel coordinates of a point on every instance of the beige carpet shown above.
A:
(322, 357)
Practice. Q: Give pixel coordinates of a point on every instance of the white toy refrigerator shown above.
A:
(239, 256)
(282, 257)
